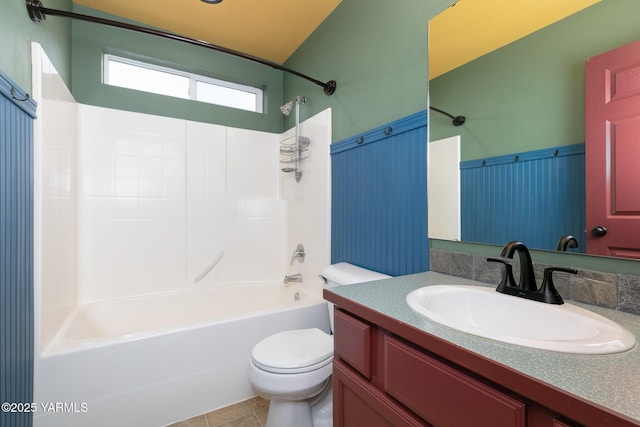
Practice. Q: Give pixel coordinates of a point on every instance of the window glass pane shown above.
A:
(132, 74)
(140, 78)
(229, 97)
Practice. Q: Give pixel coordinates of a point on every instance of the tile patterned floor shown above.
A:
(250, 413)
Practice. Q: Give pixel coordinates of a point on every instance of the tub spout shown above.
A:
(293, 278)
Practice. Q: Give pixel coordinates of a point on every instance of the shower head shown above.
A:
(286, 108)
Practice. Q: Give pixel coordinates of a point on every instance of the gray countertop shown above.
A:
(612, 381)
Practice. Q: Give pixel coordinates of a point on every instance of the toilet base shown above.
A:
(289, 414)
(317, 412)
(322, 410)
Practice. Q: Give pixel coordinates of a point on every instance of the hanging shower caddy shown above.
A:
(294, 152)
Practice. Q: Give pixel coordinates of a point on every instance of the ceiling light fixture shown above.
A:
(211, 1)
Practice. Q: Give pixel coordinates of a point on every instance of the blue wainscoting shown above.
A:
(379, 198)
(535, 197)
(16, 251)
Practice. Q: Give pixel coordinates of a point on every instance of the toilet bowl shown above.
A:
(292, 369)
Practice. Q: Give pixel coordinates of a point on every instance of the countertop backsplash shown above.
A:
(616, 291)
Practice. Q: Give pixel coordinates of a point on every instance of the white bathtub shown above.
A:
(151, 361)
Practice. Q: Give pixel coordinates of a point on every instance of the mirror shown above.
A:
(523, 100)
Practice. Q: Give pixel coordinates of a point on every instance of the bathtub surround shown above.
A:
(616, 291)
(171, 195)
(309, 203)
(132, 208)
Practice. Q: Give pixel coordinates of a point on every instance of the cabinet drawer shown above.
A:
(352, 342)
(443, 396)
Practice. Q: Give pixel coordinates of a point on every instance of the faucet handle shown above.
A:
(298, 254)
(548, 290)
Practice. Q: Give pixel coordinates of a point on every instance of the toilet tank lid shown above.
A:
(344, 273)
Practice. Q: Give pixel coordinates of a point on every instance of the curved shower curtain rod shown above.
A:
(456, 120)
(38, 13)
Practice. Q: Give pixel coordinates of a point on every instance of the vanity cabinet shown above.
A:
(384, 379)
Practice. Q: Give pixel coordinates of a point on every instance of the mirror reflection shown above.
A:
(522, 170)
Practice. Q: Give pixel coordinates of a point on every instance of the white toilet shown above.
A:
(293, 368)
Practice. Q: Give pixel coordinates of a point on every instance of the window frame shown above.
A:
(194, 79)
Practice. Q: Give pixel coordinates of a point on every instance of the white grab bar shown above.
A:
(209, 267)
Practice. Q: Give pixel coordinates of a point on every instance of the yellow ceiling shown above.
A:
(271, 30)
(472, 28)
(274, 29)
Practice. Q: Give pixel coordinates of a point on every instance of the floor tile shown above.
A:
(199, 421)
(230, 413)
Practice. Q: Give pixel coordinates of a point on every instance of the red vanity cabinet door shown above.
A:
(352, 342)
(444, 396)
(558, 423)
(357, 403)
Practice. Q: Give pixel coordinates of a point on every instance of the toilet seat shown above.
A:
(293, 352)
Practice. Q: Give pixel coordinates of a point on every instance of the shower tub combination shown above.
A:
(154, 360)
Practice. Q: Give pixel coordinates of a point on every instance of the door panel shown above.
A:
(612, 107)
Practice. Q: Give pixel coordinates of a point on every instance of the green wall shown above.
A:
(377, 52)
(90, 41)
(530, 94)
(17, 31)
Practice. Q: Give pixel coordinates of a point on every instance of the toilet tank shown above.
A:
(343, 273)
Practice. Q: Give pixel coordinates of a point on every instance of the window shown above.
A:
(131, 74)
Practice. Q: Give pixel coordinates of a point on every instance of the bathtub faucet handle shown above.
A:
(293, 278)
(298, 254)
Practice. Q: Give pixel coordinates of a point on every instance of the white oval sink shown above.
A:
(484, 312)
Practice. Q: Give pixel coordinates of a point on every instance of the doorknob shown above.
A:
(598, 231)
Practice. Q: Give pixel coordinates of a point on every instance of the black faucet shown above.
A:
(566, 241)
(527, 287)
(527, 276)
